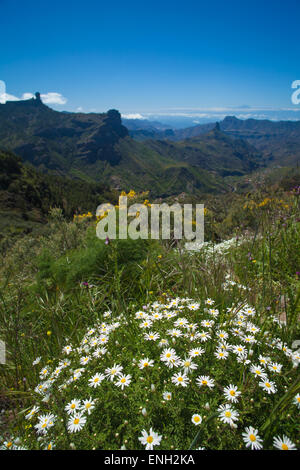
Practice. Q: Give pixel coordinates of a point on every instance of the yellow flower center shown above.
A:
(168, 355)
(204, 382)
(73, 406)
(284, 447)
(232, 393)
(252, 438)
(298, 399)
(196, 419)
(123, 380)
(9, 444)
(267, 384)
(76, 421)
(88, 405)
(227, 414)
(149, 439)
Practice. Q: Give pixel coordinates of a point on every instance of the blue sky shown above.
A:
(152, 58)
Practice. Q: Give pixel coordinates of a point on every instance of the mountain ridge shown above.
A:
(98, 148)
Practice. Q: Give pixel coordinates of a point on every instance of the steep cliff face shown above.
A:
(100, 143)
(55, 140)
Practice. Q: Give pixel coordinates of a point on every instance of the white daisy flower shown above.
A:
(181, 322)
(167, 396)
(196, 352)
(67, 349)
(275, 367)
(205, 381)
(283, 443)
(196, 419)
(227, 414)
(73, 406)
(258, 371)
(221, 354)
(252, 439)
(296, 400)
(151, 336)
(76, 422)
(175, 333)
(268, 386)
(231, 393)
(150, 439)
(113, 372)
(96, 380)
(146, 324)
(222, 335)
(145, 363)
(88, 405)
(207, 323)
(32, 412)
(203, 336)
(44, 372)
(188, 365)
(180, 379)
(45, 422)
(193, 306)
(124, 381)
(84, 360)
(263, 360)
(50, 446)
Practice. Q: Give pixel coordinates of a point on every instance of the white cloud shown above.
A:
(27, 96)
(133, 116)
(53, 98)
(47, 98)
(7, 97)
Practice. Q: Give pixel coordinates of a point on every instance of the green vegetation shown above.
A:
(26, 197)
(73, 306)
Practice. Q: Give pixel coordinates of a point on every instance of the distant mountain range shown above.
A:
(98, 148)
(277, 141)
